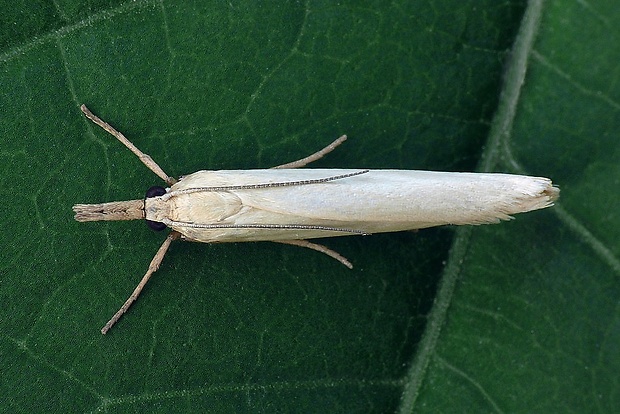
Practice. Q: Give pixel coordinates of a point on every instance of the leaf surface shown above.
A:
(517, 317)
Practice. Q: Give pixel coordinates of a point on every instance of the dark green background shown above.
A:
(517, 317)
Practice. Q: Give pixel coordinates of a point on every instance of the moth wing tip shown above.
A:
(552, 192)
(541, 197)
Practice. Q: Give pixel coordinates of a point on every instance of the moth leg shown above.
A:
(313, 157)
(145, 158)
(157, 259)
(318, 248)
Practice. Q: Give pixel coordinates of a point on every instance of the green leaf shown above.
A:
(517, 317)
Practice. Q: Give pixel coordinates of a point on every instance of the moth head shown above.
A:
(115, 210)
(155, 191)
(120, 210)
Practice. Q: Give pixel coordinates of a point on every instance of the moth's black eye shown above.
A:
(155, 191)
(155, 225)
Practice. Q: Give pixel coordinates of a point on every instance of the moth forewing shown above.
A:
(373, 202)
(290, 205)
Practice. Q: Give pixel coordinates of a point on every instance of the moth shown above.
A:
(286, 204)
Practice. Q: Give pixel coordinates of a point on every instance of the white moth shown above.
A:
(289, 205)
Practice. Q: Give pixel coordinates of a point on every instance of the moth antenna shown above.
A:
(263, 185)
(174, 223)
